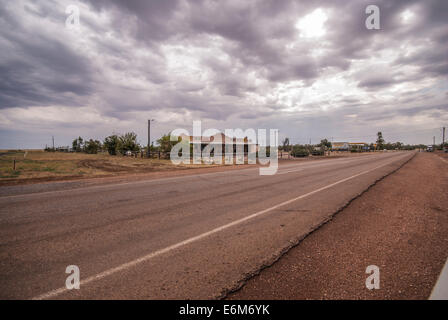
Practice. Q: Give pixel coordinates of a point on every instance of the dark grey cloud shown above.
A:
(428, 61)
(37, 69)
(377, 82)
(155, 19)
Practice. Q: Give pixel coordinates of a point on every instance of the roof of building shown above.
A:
(218, 138)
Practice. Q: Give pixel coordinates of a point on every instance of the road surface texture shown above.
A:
(197, 236)
(400, 225)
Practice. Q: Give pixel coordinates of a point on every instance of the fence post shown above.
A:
(14, 164)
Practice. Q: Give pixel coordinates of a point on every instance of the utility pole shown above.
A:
(434, 141)
(53, 141)
(443, 137)
(148, 153)
(289, 150)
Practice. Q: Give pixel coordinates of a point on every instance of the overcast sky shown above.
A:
(309, 68)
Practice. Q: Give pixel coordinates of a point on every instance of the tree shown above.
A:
(111, 144)
(128, 142)
(285, 144)
(78, 144)
(379, 140)
(299, 151)
(92, 146)
(325, 144)
(165, 143)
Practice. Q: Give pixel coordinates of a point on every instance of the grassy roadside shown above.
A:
(38, 165)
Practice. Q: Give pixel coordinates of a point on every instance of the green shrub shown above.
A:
(299, 151)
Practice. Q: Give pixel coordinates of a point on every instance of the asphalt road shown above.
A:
(190, 237)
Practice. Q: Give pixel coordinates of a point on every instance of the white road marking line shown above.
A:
(440, 290)
(442, 159)
(149, 256)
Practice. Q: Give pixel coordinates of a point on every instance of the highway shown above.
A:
(190, 237)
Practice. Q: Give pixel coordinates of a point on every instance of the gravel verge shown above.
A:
(400, 225)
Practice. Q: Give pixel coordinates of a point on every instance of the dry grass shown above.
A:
(32, 164)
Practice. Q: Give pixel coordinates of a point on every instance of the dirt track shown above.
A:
(400, 225)
(108, 166)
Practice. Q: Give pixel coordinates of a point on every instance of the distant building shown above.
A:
(219, 140)
(340, 146)
(346, 146)
(62, 149)
(359, 145)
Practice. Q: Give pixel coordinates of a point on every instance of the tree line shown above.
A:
(116, 144)
(303, 150)
(113, 144)
(127, 142)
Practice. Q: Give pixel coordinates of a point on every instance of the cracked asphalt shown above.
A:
(188, 237)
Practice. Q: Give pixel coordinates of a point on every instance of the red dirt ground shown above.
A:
(400, 225)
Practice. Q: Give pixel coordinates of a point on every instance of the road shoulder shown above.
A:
(400, 225)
